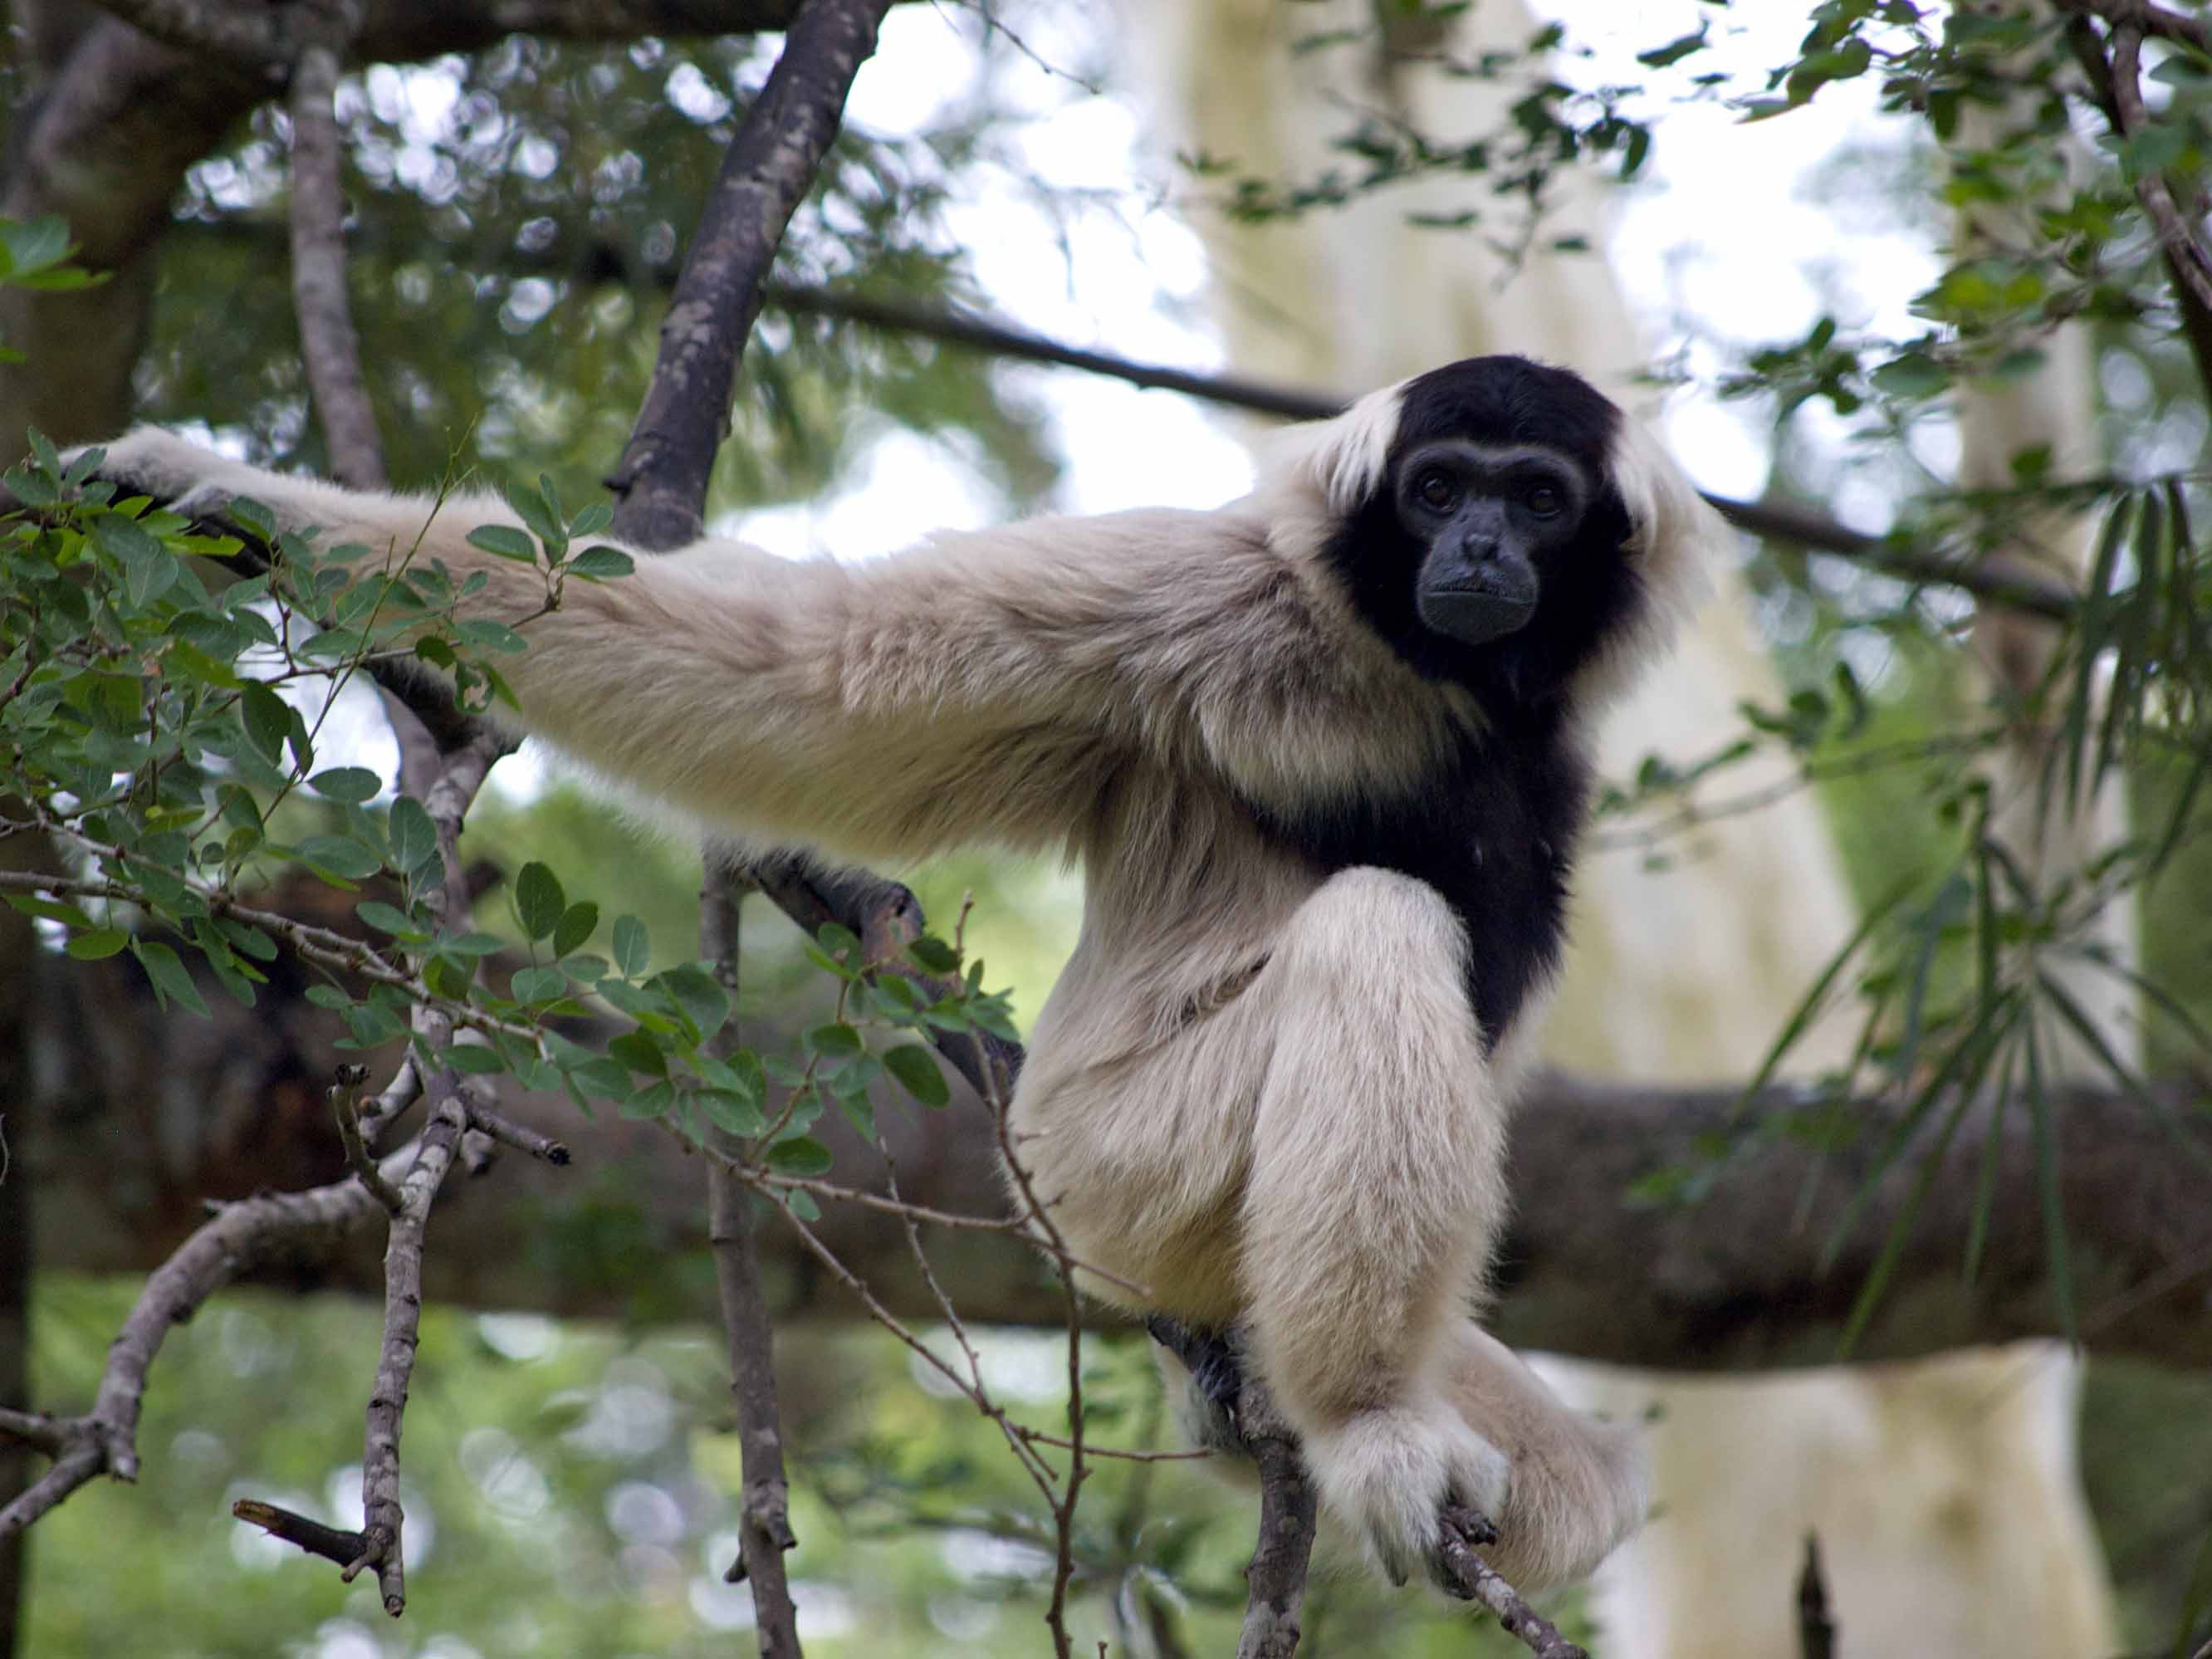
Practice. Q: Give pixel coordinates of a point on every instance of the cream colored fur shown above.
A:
(1259, 1094)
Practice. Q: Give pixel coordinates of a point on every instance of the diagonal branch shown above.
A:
(661, 481)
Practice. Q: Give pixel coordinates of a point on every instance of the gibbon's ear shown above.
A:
(1342, 459)
(1676, 534)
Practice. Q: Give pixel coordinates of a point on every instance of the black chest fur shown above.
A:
(1493, 832)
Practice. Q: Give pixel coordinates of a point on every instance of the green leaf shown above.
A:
(933, 955)
(529, 506)
(51, 911)
(268, 720)
(917, 1073)
(801, 1156)
(486, 635)
(414, 837)
(1912, 374)
(639, 1053)
(729, 1112)
(171, 982)
(505, 540)
(474, 1059)
(600, 564)
(340, 857)
(835, 1040)
(577, 924)
(1674, 51)
(350, 784)
(653, 1100)
(388, 919)
(99, 943)
(540, 984)
(633, 946)
(539, 903)
(699, 994)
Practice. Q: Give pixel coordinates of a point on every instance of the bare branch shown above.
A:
(345, 1105)
(1476, 1580)
(382, 1517)
(1275, 1582)
(661, 481)
(2103, 86)
(1816, 1631)
(327, 340)
(252, 32)
(331, 1543)
(2191, 262)
(239, 1237)
(764, 1530)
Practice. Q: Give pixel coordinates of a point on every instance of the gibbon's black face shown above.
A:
(1492, 552)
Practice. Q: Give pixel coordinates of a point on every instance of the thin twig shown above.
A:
(331, 1543)
(2191, 262)
(345, 1104)
(382, 1516)
(1816, 1631)
(764, 1530)
(239, 1237)
(1475, 1579)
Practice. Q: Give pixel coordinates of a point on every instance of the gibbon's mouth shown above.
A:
(1480, 608)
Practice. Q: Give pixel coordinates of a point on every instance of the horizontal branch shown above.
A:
(1740, 1281)
(603, 262)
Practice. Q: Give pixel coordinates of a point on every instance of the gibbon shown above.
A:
(1323, 754)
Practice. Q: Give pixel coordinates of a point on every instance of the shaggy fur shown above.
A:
(1325, 853)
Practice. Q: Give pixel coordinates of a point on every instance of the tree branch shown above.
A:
(327, 339)
(765, 1528)
(1475, 1579)
(103, 1440)
(1275, 1582)
(2097, 73)
(661, 481)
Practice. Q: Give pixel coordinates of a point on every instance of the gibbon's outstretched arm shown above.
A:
(983, 686)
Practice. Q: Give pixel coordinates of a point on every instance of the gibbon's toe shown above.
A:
(1389, 1473)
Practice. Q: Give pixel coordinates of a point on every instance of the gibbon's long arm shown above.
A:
(981, 686)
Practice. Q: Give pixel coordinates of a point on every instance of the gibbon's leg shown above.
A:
(1376, 1192)
(1377, 1185)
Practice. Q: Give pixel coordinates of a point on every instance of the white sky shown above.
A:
(1719, 233)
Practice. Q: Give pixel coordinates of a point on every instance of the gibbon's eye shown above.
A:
(1544, 500)
(1436, 489)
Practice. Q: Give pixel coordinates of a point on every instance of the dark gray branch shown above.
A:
(764, 1529)
(327, 339)
(1275, 1582)
(661, 482)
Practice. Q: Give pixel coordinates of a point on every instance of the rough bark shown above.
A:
(150, 1115)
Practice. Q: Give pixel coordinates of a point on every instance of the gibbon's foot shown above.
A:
(1393, 1473)
(1472, 1525)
